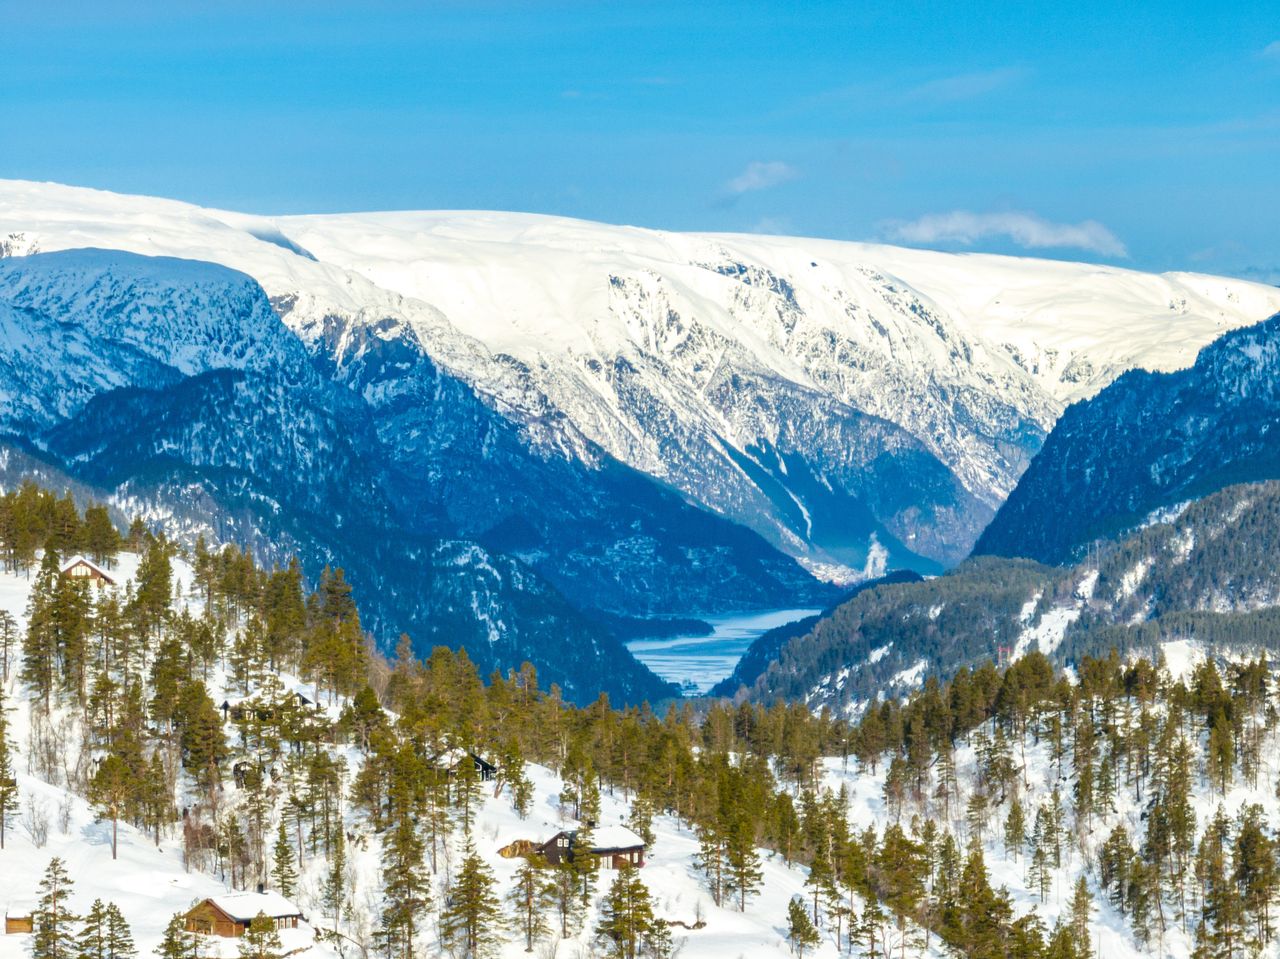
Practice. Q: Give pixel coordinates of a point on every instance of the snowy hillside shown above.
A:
(1202, 573)
(841, 399)
(1064, 857)
(150, 882)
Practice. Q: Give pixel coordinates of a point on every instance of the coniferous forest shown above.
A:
(1007, 812)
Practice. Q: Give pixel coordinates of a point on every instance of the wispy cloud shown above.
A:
(964, 86)
(1272, 50)
(1027, 230)
(760, 175)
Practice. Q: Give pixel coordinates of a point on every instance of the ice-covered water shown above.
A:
(705, 660)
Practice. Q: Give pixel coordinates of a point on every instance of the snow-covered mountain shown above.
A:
(842, 400)
(1147, 443)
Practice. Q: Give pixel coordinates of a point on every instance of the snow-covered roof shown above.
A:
(614, 837)
(244, 906)
(20, 908)
(79, 559)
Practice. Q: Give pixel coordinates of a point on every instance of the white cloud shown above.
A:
(965, 86)
(1027, 230)
(760, 175)
(1272, 50)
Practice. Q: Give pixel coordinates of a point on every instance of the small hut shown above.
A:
(19, 917)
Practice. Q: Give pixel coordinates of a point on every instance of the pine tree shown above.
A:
(627, 924)
(93, 933)
(112, 791)
(261, 940)
(741, 859)
(801, 932)
(1015, 829)
(8, 783)
(177, 942)
(406, 889)
(528, 898)
(119, 938)
(472, 916)
(561, 890)
(335, 880)
(282, 869)
(54, 921)
(1081, 910)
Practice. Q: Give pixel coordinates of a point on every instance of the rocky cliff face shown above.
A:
(856, 406)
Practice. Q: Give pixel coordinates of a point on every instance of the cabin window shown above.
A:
(562, 841)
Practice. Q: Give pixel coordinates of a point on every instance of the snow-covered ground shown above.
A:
(149, 884)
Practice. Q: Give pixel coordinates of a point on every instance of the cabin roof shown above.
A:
(79, 559)
(615, 837)
(20, 909)
(244, 906)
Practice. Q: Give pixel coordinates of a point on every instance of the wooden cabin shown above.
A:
(614, 846)
(19, 917)
(82, 568)
(229, 915)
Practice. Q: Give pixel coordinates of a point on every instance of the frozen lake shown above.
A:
(705, 660)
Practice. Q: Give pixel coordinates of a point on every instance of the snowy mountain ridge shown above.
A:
(837, 398)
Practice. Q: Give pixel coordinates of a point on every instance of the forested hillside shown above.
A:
(1203, 572)
(1149, 441)
(238, 724)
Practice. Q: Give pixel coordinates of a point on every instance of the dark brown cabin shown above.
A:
(614, 846)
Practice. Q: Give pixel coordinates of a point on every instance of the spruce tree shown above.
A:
(44, 626)
(283, 872)
(560, 887)
(335, 879)
(55, 936)
(1081, 910)
(1015, 829)
(405, 888)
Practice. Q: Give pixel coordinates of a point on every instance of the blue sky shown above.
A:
(1144, 134)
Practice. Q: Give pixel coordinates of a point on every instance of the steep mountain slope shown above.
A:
(174, 387)
(842, 400)
(1147, 442)
(1205, 575)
